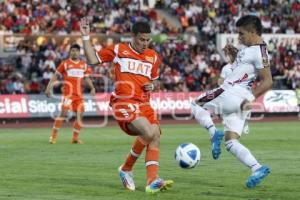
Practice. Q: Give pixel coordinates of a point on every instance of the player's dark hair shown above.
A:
(141, 27)
(75, 46)
(250, 22)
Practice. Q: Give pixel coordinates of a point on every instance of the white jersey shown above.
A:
(226, 70)
(244, 69)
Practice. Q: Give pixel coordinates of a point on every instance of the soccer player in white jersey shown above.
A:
(227, 69)
(232, 100)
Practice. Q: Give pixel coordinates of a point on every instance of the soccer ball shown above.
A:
(187, 155)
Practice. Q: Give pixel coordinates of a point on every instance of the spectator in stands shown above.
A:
(17, 85)
(293, 77)
(47, 75)
(34, 87)
(196, 52)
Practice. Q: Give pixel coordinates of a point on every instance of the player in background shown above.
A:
(136, 68)
(232, 100)
(73, 71)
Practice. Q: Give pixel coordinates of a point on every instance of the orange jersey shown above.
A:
(73, 74)
(132, 70)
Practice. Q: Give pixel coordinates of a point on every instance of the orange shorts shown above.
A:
(125, 111)
(73, 104)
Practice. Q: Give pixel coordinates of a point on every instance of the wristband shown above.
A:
(152, 87)
(85, 37)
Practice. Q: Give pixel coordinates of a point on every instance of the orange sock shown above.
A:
(57, 125)
(136, 150)
(76, 130)
(152, 164)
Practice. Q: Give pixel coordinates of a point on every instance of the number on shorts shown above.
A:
(124, 112)
(67, 102)
(133, 107)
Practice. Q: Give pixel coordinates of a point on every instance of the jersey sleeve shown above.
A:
(106, 54)
(226, 70)
(61, 68)
(155, 69)
(262, 59)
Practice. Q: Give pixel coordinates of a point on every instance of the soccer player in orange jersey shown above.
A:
(73, 71)
(136, 67)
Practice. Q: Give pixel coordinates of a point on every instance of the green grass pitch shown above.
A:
(32, 169)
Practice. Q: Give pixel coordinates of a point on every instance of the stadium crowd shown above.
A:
(191, 63)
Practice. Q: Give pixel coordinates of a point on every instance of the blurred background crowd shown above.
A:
(189, 54)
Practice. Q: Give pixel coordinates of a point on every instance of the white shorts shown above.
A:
(227, 104)
(236, 122)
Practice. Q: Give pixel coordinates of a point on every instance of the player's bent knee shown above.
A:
(230, 135)
(153, 134)
(156, 135)
(148, 134)
(63, 115)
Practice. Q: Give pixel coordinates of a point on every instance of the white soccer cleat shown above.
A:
(127, 179)
(52, 140)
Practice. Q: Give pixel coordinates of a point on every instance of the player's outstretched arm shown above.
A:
(87, 46)
(50, 84)
(152, 86)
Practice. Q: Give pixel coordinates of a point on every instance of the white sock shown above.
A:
(203, 117)
(242, 153)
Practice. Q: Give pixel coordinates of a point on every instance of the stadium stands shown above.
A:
(192, 63)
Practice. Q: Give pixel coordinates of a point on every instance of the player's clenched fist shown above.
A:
(231, 51)
(84, 26)
(148, 87)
